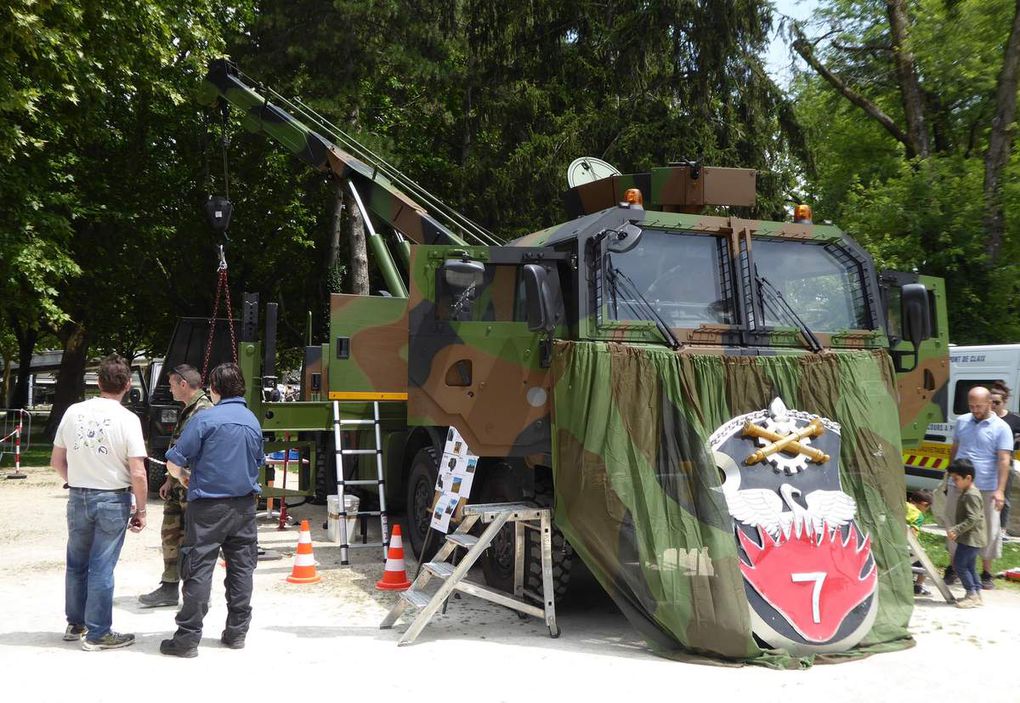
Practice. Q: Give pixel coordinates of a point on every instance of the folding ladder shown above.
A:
(342, 484)
(524, 517)
(916, 551)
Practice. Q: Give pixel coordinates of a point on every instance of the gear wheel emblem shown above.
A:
(782, 423)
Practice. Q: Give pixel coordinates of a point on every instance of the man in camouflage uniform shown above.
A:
(186, 387)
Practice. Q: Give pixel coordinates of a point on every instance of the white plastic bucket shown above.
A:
(351, 504)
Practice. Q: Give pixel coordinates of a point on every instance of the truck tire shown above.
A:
(156, 474)
(325, 468)
(421, 486)
(562, 552)
(498, 562)
(499, 486)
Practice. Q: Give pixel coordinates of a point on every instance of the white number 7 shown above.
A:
(819, 578)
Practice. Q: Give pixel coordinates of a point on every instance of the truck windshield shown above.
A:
(825, 289)
(680, 275)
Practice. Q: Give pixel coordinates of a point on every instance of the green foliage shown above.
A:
(487, 104)
(923, 216)
(927, 216)
(39, 55)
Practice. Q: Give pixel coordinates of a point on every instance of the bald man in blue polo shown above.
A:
(985, 439)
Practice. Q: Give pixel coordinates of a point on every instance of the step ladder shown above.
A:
(342, 484)
(524, 517)
(917, 552)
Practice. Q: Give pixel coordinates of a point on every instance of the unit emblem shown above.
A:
(809, 573)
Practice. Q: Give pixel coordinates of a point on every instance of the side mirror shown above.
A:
(542, 299)
(135, 396)
(460, 274)
(916, 313)
(624, 239)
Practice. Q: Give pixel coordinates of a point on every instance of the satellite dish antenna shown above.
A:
(587, 169)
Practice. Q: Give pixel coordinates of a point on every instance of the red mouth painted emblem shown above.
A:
(814, 580)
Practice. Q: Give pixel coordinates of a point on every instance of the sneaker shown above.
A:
(949, 576)
(232, 642)
(968, 601)
(73, 633)
(111, 640)
(987, 583)
(921, 590)
(165, 595)
(171, 648)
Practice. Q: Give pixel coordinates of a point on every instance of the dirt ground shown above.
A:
(321, 640)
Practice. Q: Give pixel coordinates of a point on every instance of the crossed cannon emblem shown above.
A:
(788, 443)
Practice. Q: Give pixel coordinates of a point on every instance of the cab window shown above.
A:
(681, 276)
(498, 299)
(822, 284)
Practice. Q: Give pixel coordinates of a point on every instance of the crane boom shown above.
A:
(378, 192)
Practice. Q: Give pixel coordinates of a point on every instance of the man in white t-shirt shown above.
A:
(99, 451)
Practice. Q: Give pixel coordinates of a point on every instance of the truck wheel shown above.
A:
(421, 487)
(325, 468)
(498, 562)
(156, 474)
(562, 552)
(499, 486)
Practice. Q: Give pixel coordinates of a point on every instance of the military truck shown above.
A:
(491, 338)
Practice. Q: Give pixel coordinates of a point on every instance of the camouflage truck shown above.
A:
(708, 401)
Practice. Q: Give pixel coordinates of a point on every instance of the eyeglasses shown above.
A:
(179, 371)
(996, 402)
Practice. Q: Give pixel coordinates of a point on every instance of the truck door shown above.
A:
(472, 362)
(922, 386)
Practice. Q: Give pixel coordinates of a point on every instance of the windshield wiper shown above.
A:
(618, 279)
(773, 300)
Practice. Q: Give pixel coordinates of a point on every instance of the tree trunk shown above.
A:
(5, 383)
(27, 337)
(906, 73)
(999, 142)
(466, 139)
(358, 279)
(70, 387)
(806, 51)
(336, 226)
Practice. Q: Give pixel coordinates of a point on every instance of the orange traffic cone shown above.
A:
(304, 562)
(394, 577)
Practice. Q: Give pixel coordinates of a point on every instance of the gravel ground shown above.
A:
(309, 642)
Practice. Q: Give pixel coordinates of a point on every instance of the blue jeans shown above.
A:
(965, 566)
(96, 523)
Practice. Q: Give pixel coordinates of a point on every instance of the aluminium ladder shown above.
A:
(915, 550)
(523, 516)
(342, 483)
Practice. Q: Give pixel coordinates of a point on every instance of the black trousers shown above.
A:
(212, 523)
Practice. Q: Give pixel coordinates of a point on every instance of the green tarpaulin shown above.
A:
(640, 496)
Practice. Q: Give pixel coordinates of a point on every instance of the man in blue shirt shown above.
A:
(218, 458)
(985, 439)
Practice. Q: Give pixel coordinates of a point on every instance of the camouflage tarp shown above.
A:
(639, 495)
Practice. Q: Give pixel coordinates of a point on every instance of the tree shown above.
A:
(98, 140)
(40, 58)
(460, 106)
(940, 80)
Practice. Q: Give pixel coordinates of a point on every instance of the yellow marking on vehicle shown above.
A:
(365, 395)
